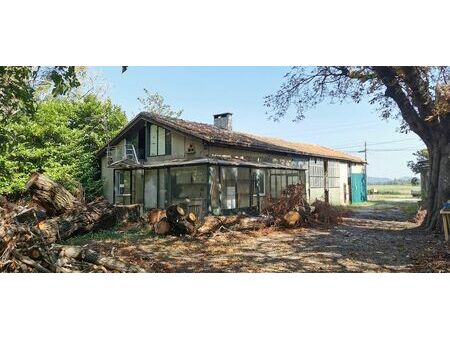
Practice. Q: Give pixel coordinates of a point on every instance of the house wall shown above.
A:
(107, 179)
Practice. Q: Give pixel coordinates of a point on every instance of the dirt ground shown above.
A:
(364, 243)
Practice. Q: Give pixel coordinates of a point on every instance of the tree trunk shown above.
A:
(97, 215)
(50, 195)
(438, 182)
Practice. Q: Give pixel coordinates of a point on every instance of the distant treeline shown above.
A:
(394, 181)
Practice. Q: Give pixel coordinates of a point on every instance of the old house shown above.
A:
(156, 161)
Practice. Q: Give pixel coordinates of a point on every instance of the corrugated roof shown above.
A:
(218, 136)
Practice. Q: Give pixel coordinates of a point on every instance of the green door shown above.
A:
(359, 188)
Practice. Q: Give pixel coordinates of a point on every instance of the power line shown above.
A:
(372, 150)
(398, 149)
(375, 143)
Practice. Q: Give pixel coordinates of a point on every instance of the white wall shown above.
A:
(357, 169)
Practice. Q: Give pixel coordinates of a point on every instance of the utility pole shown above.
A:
(365, 151)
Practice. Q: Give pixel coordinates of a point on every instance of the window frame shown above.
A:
(167, 142)
(316, 173)
(262, 189)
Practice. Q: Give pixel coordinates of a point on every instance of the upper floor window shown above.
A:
(160, 141)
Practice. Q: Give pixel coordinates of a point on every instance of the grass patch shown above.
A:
(393, 189)
(114, 234)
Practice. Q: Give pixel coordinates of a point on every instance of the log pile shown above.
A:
(173, 221)
(28, 239)
(24, 248)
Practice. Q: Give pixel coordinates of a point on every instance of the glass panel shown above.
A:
(151, 188)
(228, 183)
(168, 142)
(280, 180)
(189, 188)
(214, 192)
(258, 179)
(138, 186)
(273, 186)
(163, 191)
(153, 140)
(259, 185)
(161, 141)
(123, 187)
(243, 187)
(302, 177)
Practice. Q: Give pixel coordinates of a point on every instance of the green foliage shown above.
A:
(18, 84)
(416, 164)
(60, 139)
(154, 103)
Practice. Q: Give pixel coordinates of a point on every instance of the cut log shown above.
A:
(53, 197)
(162, 227)
(210, 224)
(175, 213)
(213, 223)
(191, 218)
(155, 215)
(97, 215)
(128, 213)
(292, 218)
(93, 257)
(253, 223)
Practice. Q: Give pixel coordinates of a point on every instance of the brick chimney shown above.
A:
(223, 121)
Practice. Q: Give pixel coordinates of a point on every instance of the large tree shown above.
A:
(418, 96)
(60, 138)
(18, 86)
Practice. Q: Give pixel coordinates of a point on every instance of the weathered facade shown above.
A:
(156, 161)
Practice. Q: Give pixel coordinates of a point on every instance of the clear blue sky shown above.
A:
(204, 91)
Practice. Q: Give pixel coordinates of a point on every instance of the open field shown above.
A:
(403, 190)
(376, 238)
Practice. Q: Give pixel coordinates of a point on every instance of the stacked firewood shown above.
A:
(173, 221)
(28, 240)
